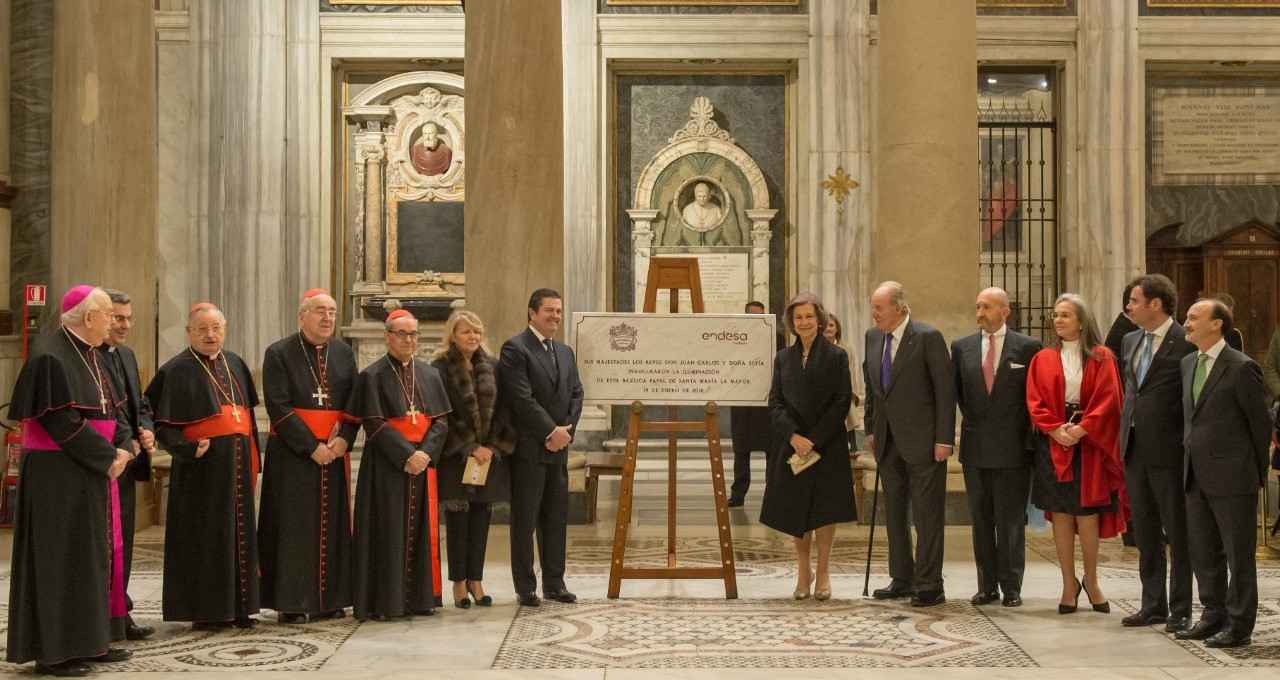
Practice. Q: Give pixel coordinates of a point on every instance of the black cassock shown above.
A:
(133, 415)
(395, 557)
(304, 532)
(210, 547)
(60, 594)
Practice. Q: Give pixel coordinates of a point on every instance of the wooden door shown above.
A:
(1254, 283)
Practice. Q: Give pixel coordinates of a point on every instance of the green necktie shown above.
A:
(1197, 381)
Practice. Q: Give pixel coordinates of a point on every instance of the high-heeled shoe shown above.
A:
(1071, 608)
(822, 595)
(803, 593)
(1102, 607)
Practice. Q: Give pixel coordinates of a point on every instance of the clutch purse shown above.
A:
(476, 473)
(799, 464)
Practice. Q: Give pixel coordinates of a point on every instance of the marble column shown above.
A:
(369, 149)
(1109, 240)
(926, 201)
(5, 195)
(240, 121)
(30, 130)
(838, 235)
(584, 228)
(515, 227)
(103, 155)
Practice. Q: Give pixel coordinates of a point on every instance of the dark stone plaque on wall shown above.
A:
(429, 237)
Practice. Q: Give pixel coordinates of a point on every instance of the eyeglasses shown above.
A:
(405, 335)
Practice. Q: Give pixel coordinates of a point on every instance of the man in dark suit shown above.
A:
(751, 430)
(996, 445)
(1151, 444)
(1122, 326)
(541, 387)
(910, 420)
(1226, 434)
(123, 366)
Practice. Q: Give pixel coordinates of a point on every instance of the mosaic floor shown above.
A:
(686, 629)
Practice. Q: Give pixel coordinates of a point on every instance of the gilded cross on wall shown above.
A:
(838, 186)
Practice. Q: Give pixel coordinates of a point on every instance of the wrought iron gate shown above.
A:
(1018, 211)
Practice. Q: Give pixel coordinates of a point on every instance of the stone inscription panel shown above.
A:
(726, 283)
(1209, 137)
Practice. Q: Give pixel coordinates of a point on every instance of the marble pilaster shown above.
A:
(103, 209)
(30, 132)
(838, 236)
(515, 226)
(1108, 247)
(4, 150)
(369, 149)
(584, 274)
(242, 137)
(925, 154)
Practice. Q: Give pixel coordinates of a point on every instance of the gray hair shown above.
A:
(118, 297)
(1090, 338)
(897, 294)
(96, 300)
(305, 305)
(203, 307)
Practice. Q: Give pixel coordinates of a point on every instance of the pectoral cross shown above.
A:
(320, 395)
(103, 403)
(235, 412)
(413, 414)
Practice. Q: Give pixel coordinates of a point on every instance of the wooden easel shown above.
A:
(673, 274)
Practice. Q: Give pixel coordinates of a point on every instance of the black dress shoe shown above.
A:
(135, 632)
(335, 614)
(928, 598)
(210, 625)
(1012, 600)
(1177, 623)
(66, 669)
(244, 622)
(561, 596)
(1203, 630)
(291, 618)
(528, 600)
(736, 502)
(892, 592)
(1227, 638)
(1143, 617)
(982, 598)
(113, 655)
(485, 601)
(464, 603)
(429, 611)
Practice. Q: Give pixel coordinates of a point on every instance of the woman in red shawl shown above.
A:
(1073, 396)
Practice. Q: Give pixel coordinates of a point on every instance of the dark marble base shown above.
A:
(423, 309)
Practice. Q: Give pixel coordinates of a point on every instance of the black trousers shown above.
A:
(468, 539)
(539, 507)
(741, 470)
(1159, 524)
(998, 508)
(921, 489)
(1223, 532)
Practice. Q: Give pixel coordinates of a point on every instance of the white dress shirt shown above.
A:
(987, 339)
(1213, 353)
(897, 337)
(1160, 333)
(1072, 369)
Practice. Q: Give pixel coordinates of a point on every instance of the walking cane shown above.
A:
(875, 498)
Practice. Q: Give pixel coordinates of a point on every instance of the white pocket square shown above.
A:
(1013, 365)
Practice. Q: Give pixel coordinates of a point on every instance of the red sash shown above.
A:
(224, 425)
(322, 424)
(412, 432)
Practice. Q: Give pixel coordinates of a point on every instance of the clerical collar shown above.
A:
(303, 337)
(204, 356)
(81, 343)
(396, 360)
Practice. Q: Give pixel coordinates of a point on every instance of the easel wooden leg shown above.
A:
(626, 489)
(722, 508)
(671, 491)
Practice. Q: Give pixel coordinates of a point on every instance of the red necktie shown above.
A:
(989, 363)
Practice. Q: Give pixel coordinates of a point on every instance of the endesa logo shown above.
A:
(735, 337)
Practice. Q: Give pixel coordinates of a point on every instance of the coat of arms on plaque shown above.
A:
(623, 337)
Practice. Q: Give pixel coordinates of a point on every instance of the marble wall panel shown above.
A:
(650, 108)
(1225, 9)
(1206, 211)
(327, 6)
(1050, 8)
(30, 139)
(606, 8)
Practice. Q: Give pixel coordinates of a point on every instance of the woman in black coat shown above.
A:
(479, 429)
(808, 403)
